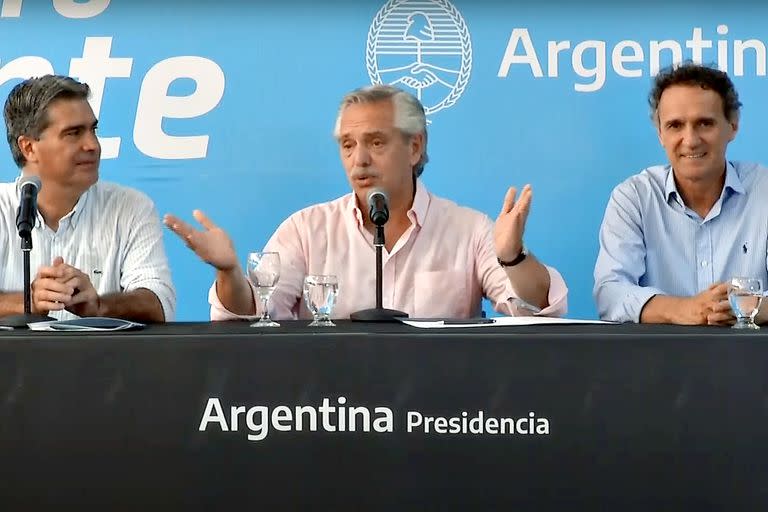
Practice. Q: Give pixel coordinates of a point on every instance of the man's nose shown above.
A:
(361, 156)
(91, 142)
(691, 137)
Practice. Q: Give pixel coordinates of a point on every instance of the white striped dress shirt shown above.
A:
(113, 234)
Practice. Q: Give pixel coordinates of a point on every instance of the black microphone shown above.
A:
(26, 215)
(378, 204)
(26, 218)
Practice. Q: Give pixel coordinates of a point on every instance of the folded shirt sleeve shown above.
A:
(621, 259)
(145, 264)
(497, 286)
(284, 303)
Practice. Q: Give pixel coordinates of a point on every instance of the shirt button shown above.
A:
(703, 263)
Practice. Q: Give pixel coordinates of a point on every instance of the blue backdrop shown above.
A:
(229, 106)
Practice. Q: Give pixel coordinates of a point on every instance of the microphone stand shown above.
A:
(21, 321)
(379, 313)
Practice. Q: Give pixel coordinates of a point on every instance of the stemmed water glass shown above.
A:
(264, 272)
(320, 292)
(745, 295)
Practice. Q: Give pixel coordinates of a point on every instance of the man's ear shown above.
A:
(734, 122)
(657, 125)
(418, 142)
(27, 147)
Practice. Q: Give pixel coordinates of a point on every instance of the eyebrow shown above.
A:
(667, 122)
(374, 134)
(95, 124)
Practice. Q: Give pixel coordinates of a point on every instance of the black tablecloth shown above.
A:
(638, 418)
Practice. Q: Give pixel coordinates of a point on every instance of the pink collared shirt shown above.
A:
(442, 266)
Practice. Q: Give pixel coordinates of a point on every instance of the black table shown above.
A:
(637, 418)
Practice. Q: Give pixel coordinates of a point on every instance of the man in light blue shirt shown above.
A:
(674, 235)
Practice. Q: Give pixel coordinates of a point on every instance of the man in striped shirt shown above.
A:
(97, 247)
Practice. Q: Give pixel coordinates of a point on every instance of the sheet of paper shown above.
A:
(497, 322)
(86, 324)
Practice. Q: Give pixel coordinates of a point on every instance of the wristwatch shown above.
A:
(520, 257)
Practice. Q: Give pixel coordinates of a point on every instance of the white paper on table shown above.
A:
(499, 322)
(85, 324)
(41, 326)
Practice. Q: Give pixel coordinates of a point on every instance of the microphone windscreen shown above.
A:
(377, 194)
(378, 207)
(32, 180)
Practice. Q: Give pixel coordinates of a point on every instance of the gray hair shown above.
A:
(26, 109)
(410, 118)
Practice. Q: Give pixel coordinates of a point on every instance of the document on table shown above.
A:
(86, 324)
(445, 323)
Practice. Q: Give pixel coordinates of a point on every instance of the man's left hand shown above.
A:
(85, 301)
(510, 225)
(721, 313)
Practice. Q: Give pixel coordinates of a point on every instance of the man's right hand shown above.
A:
(212, 244)
(707, 307)
(49, 292)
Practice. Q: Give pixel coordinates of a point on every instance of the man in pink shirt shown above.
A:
(440, 259)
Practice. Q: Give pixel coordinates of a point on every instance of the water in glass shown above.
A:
(264, 272)
(745, 296)
(320, 292)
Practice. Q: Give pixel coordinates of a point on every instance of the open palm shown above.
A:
(510, 224)
(211, 244)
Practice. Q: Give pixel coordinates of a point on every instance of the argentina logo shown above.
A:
(423, 47)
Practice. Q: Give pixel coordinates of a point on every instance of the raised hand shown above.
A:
(211, 244)
(510, 224)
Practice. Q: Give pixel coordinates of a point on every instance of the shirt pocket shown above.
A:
(441, 293)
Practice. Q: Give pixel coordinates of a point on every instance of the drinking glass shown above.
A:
(264, 272)
(320, 292)
(745, 295)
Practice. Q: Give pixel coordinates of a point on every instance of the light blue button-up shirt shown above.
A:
(652, 244)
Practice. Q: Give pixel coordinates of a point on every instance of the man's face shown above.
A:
(374, 153)
(68, 152)
(694, 131)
